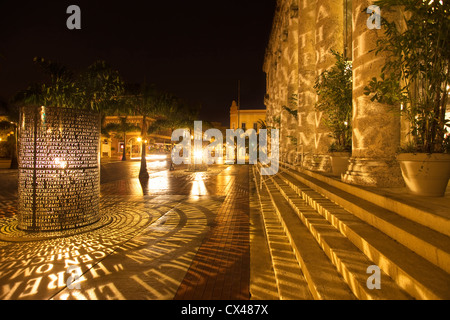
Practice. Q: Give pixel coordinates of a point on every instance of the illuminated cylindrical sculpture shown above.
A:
(59, 169)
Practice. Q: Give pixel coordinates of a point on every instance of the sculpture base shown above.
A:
(374, 173)
(317, 162)
(11, 231)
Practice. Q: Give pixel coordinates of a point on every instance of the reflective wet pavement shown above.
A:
(179, 235)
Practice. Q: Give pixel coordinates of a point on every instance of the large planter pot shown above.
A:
(339, 162)
(425, 174)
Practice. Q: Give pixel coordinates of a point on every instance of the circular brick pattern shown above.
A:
(122, 217)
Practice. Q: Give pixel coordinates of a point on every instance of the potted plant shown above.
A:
(334, 91)
(59, 131)
(415, 80)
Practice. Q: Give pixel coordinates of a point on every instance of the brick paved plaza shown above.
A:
(331, 154)
(181, 235)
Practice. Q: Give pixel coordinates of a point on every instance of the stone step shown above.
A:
(435, 217)
(322, 277)
(263, 284)
(411, 271)
(428, 243)
(289, 279)
(348, 259)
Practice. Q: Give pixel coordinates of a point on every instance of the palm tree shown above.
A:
(142, 100)
(121, 129)
(174, 114)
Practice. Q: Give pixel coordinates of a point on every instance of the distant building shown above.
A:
(246, 118)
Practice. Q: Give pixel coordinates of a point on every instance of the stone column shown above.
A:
(292, 85)
(284, 80)
(306, 75)
(376, 127)
(328, 32)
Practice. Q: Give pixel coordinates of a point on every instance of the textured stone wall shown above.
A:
(303, 33)
(376, 127)
(307, 59)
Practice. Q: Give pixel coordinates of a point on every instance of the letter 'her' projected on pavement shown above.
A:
(58, 169)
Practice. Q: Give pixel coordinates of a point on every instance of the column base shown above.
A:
(317, 162)
(374, 173)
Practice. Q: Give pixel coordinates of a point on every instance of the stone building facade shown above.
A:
(246, 118)
(303, 33)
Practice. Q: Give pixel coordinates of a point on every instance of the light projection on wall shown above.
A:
(59, 172)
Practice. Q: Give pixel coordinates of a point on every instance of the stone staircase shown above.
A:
(336, 232)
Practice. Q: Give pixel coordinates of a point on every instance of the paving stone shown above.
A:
(177, 232)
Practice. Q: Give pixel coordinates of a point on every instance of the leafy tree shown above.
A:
(334, 90)
(292, 110)
(415, 76)
(98, 88)
(293, 101)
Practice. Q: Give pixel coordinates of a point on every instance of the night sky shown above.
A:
(197, 50)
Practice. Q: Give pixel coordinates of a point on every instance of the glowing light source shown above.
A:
(156, 156)
(139, 139)
(157, 164)
(60, 163)
(198, 154)
(152, 157)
